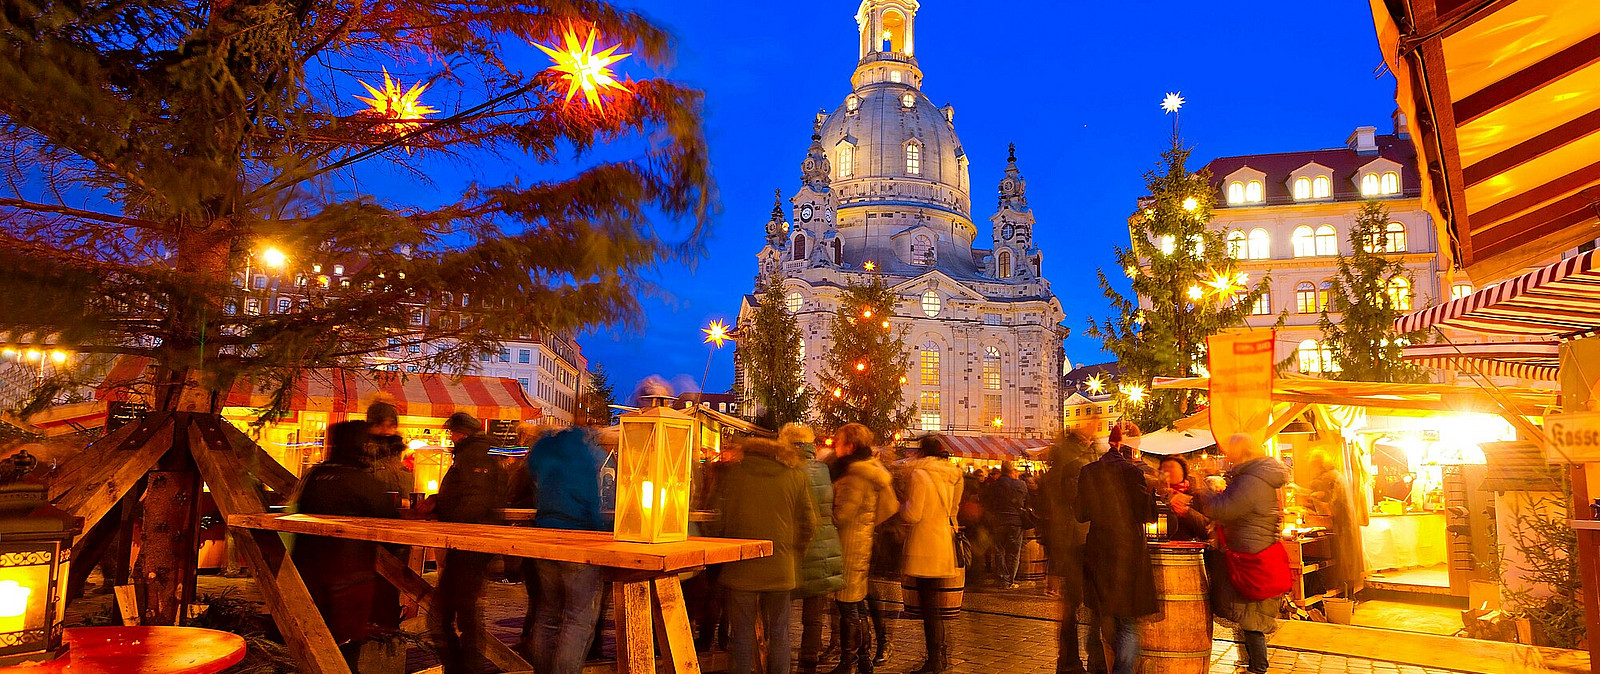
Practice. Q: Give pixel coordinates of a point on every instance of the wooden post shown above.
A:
(168, 541)
(636, 648)
(678, 637)
(1588, 565)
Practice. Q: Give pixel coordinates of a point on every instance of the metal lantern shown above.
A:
(655, 462)
(35, 543)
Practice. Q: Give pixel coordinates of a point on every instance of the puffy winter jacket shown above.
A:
(822, 569)
(1248, 509)
(760, 498)
(930, 510)
(565, 473)
(474, 486)
(862, 498)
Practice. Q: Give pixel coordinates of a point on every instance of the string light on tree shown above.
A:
(585, 69)
(403, 106)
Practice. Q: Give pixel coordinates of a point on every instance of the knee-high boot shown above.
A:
(863, 642)
(849, 639)
(933, 633)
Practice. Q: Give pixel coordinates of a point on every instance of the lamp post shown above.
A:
(35, 544)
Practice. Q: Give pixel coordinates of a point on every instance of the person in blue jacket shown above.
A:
(565, 472)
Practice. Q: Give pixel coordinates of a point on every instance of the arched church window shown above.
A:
(913, 159)
(991, 368)
(1003, 264)
(799, 247)
(922, 250)
(847, 160)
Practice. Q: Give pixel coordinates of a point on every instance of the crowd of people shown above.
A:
(839, 513)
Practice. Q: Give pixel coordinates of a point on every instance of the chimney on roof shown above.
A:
(1364, 140)
(1400, 127)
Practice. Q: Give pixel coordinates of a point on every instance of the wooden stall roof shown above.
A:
(596, 548)
(1502, 98)
(1434, 397)
(342, 391)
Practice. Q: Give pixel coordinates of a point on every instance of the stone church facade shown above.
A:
(885, 191)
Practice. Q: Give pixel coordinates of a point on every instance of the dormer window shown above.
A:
(922, 252)
(852, 103)
(913, 158)
(1369, 185)
(846, 161)
(908, 100)
(1252, 192)
(1302, 188)
(1321, 188)
(1235, 192)
(1389, 183)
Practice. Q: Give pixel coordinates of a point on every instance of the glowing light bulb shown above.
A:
(1190, 203)
(13, 600)
(885, 325)
(33, 354)
(58, 357)
(274, 258)
(433, 486)
(902, 381)
(870, 265)
(866, 314)
(838, 393)
(861, 367)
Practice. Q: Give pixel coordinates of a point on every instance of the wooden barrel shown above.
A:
(948, 603)
(1180, 641)
(1034, 564)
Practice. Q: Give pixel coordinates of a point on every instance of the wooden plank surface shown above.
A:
(596, 548)
(636, 647)
(76, 467)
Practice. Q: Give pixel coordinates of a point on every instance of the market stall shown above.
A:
(972, 452)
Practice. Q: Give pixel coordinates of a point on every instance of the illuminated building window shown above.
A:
(1327, 241)
(929, 365)
(1314, 358)
(894, 76)
(1260, 244)
(991, 368)
(991, 409)
(908, 100)
(792, 302)
(1235, 192)
(1400, 293)
(993, 319)
(930, 304)
(1305, 297)
(852, 103)
(913, 159)
(1390, 183)
(1302, 188)
(1325, 295)
(847, 160)
(1395, 237)
(1369, 185)
(1252, 192)
(1263, 304)
(338, 270)
(799, 247)
(1238, 249)
(1460, 290)
(1321, 188)
(922, 250)
(1003, 264)
(928, 409)
(1305, 242)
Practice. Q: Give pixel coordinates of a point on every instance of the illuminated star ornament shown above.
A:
(1096, 384)
(717, 333)
(1172, 102)
(584, 68)
(392, 103)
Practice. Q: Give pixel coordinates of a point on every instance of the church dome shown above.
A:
(889, 144)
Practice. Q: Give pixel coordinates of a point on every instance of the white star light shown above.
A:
(1172, 102)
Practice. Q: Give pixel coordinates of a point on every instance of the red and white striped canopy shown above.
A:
(340, 392)
(992, 447)
(1537, 361)
(1561, 300)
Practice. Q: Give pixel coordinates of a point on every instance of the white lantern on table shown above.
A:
(655, 463)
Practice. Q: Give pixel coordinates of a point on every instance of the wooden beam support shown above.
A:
(1528, 80)
(168, 539)
(287, 598)
(261, 464)
(120, 469)
(418, 589)
(1294, 412)
(678, 637)
(76, 468)
(636, 647)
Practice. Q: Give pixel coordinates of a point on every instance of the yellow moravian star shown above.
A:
(585, 69)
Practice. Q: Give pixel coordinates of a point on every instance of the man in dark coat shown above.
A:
(1116, 501)
(340, 572)
(470, 492)
(1064, 538)
(1007, 496)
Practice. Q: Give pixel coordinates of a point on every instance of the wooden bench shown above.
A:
(644, 576)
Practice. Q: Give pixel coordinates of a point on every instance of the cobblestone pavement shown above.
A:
(996, 633)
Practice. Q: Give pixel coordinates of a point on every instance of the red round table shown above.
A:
(146, 650)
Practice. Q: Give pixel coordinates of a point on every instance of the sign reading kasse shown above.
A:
(1574, 438)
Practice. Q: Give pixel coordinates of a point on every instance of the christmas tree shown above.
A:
(770, 354)
(864, 371)
(595, 407)
(158, 151)
(1186, 287)
(1371, 291)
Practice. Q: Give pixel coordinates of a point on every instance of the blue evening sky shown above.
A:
(1076, 85)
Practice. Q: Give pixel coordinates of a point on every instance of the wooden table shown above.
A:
(147, 650)
(644, 576)
(527, 514)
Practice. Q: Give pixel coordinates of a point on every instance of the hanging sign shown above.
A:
(1573, 438)
(1240, 394)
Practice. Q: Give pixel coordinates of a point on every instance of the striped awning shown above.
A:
(1503, 101)
(345, 392)
(1538, 361)
(993, 447)
(1560, 300)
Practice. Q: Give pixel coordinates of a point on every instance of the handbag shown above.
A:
(1258, 575)
(958, 539)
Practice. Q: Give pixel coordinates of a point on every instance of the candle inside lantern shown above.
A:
(13, 605)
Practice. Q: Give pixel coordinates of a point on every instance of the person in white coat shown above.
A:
(930, 556)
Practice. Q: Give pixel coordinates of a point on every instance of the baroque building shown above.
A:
(884, 190)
